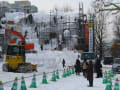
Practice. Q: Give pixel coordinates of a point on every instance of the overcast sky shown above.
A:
(46, 5)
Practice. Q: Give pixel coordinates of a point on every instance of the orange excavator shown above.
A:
(15, 60)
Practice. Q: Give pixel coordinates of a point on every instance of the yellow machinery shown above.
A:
(15, 57)
(15, 60)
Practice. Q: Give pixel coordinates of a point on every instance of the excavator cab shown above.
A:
(17, 51)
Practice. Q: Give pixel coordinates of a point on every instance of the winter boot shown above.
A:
(14, 86)
(1, 85)
(23, 86)
(44, 80)
(33, 84)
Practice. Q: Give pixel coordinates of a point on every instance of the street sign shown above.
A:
(2, 31)
(90, 37)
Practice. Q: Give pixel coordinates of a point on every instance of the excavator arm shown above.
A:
(17, 38)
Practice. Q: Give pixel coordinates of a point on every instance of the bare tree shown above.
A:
(116, 41)
(117, 29)
(99, 27)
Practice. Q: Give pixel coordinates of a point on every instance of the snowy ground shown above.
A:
(48, 61)
(70, 83)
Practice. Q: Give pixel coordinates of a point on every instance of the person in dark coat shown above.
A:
(101, 74)
(41, 47)
(77, 67)
(90, 73)
(98, 67)
(63, 63)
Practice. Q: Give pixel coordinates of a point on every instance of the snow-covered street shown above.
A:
(41, 40)
(69, 83)
(49, 64)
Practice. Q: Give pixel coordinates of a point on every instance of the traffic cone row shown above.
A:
(68, 72)
(109, 85)
(33, 84)
(109, 74)
(107, 79)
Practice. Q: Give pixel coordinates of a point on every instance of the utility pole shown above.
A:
(70, 33)
(81, 27)
(79, 22)
(50, 26)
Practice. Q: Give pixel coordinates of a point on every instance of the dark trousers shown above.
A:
(91, 83)
(77, 73)
(99, 73)
(63, 65)
(85, 72)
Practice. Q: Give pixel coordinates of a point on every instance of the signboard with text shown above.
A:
(2, 31)
(90, 37)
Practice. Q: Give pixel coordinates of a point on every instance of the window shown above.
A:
(15, 50)
(87, 56)
(117, 61)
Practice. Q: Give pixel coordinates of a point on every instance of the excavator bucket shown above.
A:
(34, 67)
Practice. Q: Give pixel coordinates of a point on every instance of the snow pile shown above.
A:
(54, 58)
(40, 17)
(15, 16)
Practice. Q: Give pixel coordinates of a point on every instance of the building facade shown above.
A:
(3, 8)
(17, 6)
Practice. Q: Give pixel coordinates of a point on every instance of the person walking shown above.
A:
(41, 47)
(84, 68)
(90, 73)
(63, 62)
(98, 67)
(77, 67)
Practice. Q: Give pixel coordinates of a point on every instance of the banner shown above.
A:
(86, 34)
(90, 37)
(2, 31)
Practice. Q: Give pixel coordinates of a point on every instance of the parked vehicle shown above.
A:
(88, 56)
(116, 65)
(108, 60)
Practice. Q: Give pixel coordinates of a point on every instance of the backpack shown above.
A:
(84, 66)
